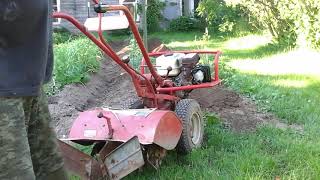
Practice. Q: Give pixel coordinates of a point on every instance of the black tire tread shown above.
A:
(133, 104)
(184, 110)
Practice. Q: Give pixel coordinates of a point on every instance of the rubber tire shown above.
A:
(185, 109)
(133, 104)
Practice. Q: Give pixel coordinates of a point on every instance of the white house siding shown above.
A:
(177, 8)
(188, 7)
(79, 10)
(173, 9)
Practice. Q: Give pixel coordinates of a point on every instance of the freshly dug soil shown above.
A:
(110, 86)
(237, 112)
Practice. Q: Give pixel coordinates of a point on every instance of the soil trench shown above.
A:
(112, 87)
(238, 113)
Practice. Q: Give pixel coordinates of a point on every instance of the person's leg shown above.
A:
(15, 157)
(47, 161)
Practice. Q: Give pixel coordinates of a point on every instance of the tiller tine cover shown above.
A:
(151, 126)
(117, 164)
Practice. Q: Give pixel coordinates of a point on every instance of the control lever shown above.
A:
(110, 134)
(100, 8)
(169, 69)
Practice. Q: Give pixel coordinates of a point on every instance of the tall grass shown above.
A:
(73, 62)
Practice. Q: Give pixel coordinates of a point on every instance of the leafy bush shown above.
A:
(223, 17)
(135, 53)
(288, 20)
(154, 14)
(309, 21)
(74, 61)
(183, 23)
(276, 16)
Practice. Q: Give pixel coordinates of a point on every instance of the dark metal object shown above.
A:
(99, 9)
(80, 163)
(169, 69)
(125, 59)
(115, 165)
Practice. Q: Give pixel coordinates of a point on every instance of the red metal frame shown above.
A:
(154, 90)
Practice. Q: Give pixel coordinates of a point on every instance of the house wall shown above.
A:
(188, 8)
(172, 10)
(177, 8)
(79, 10)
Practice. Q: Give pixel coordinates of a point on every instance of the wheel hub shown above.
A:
(195, 129)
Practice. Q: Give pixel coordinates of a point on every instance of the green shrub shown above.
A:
(290, 22)
(224, 17)
(134, 53)
(62, 36)
(309, 22)
(74, 61)
(154, 14)
(276, 16)
(183, 23)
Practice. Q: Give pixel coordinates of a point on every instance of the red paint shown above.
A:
(153, 89)
(190, 87)
(159, 127)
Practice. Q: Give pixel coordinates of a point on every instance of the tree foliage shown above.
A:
(290, 22)
(222, 16)
(183, 23)
(154, 15)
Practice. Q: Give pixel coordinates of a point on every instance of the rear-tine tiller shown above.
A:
(162, 119)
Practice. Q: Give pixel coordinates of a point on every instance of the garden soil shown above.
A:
(112, 87)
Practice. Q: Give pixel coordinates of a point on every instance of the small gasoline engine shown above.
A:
(183, 69)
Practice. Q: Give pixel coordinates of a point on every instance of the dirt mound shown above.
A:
(154, 43)
(237, 112)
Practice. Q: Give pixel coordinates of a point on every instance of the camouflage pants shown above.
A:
(28, 148)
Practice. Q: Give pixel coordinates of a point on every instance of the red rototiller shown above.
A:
(161, 119)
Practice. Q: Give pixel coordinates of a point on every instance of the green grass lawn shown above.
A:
(283, 82)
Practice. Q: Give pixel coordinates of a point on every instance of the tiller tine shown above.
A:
(124, 159)
(79, 163)
(117, 164)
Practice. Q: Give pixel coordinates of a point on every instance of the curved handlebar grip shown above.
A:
(100, 8)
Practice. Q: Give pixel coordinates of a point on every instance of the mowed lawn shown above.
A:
(283, 82)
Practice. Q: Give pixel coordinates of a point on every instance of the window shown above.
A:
(56, 8)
